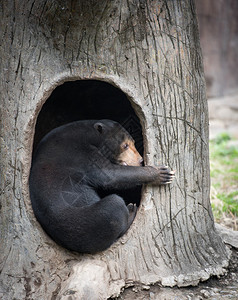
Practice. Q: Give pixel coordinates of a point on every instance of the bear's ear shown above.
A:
(99, 127)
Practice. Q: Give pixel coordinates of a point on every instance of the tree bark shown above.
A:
(151, 51)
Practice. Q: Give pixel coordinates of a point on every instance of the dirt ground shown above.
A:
(223, 115)
(225, 287)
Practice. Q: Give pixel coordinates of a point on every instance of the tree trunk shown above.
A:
(150, 50)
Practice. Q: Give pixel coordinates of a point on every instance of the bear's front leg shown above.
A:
(125, 177)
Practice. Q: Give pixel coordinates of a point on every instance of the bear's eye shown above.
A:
(125, 146)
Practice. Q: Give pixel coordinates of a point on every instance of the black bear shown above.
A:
(71, 165)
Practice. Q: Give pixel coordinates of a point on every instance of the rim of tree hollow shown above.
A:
(29, 135)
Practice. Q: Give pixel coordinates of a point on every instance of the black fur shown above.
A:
(71, 164)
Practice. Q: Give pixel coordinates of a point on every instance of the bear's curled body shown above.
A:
(71, 164)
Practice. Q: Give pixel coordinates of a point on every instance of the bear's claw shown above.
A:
(166, 175)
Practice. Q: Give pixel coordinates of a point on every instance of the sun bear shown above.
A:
(70, 166)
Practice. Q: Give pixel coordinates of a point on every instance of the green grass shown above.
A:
(230, 202)
(224, 177)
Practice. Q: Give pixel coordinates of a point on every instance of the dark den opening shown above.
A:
(85, 100)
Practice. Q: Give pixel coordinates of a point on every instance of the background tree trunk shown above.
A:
(150, 50)
(218, 22)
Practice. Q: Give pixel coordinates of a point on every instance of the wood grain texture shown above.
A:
(151, 51)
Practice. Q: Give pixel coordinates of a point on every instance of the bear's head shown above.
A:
(117, 144)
